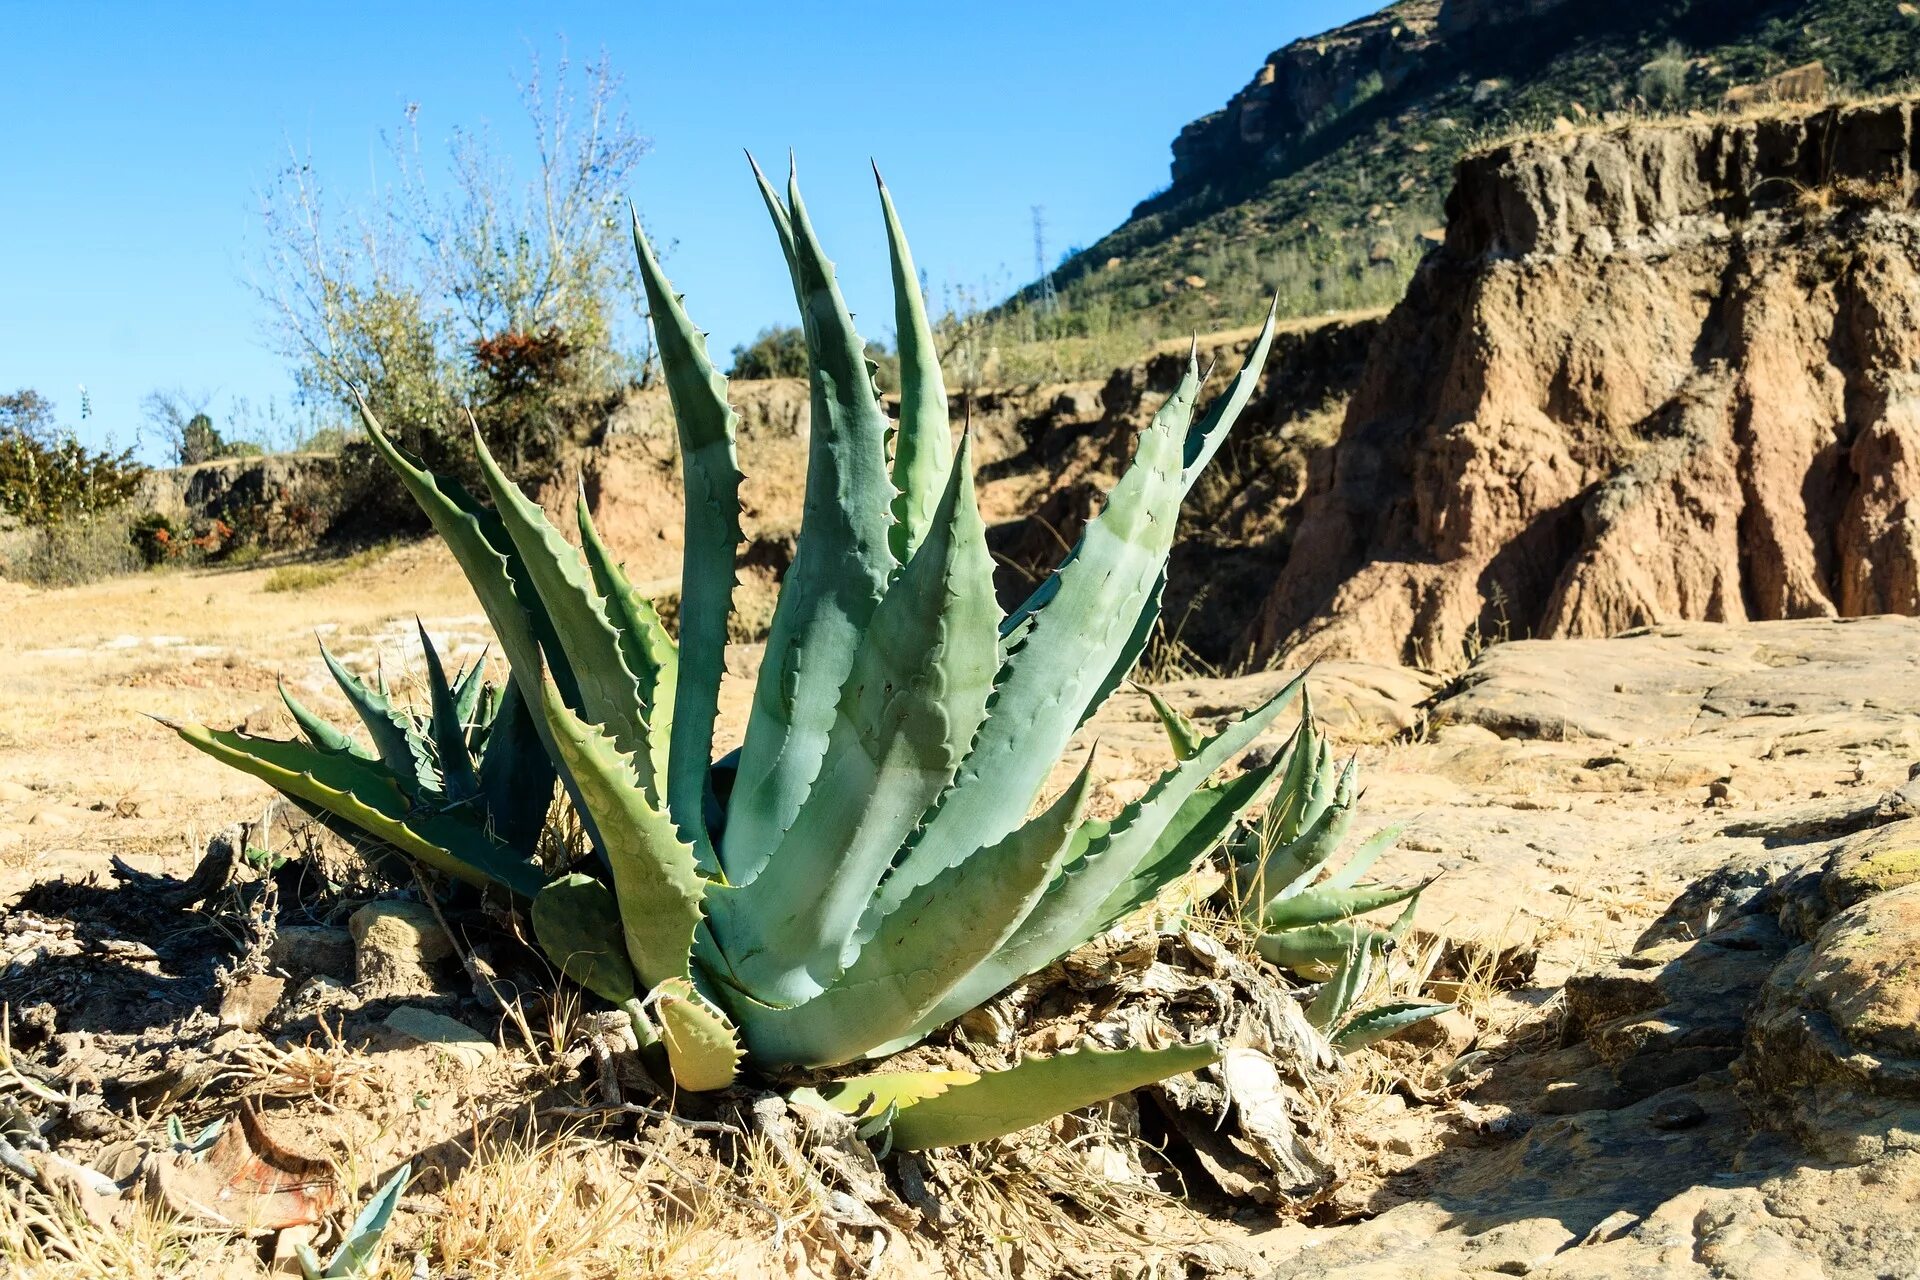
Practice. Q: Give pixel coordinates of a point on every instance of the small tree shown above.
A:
(418, 296)
(1663, 81)
(777, 351)
(47, 476)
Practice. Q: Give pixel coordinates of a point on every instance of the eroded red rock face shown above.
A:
(1655, 374)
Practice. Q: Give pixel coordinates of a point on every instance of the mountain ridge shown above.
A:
(1322, 178)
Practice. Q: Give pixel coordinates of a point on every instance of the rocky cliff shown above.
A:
(1324, 172)
(1654, 373)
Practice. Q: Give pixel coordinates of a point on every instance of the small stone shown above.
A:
(454, 1038)
(1677, 1113)
(303, 951)
(1446, 1036)
(14, 792)
(397, 946)
(249, 999)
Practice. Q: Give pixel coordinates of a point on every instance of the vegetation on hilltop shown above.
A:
(1331, 215)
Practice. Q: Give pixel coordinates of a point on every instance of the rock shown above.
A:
(1719, 688)
(1677, 1113)
(1444, 1037)
(1833, 1052)
(1873, 862)
(455, 1038)
(1675, 1011)
(303, 951)
(249, 999)
(1516, 462)
(16, 793)
(398, 948)
(319, 996)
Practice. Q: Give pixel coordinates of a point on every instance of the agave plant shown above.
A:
(1307, 911)
(878, 856)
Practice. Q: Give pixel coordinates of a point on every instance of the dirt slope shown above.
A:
(1654, 373)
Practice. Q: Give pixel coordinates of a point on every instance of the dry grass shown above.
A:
(575, 1208)
(322, 1071)
(46, 1239)
(565, 1208)
(320, 573)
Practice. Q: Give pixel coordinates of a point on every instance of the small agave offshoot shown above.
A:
(1307, 913)
(878, 856)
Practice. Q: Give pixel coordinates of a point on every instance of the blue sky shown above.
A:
(138, 137)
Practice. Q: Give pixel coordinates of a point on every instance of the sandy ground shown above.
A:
(1567, 792)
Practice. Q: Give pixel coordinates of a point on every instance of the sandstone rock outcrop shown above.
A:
(1654, 373)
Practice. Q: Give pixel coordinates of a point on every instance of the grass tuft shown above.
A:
(312, 575)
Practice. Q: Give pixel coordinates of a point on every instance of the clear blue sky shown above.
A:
(138, 135)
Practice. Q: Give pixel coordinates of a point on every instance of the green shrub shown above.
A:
(1663, 81)
(75, 551)
(47, 476)
(779, 351)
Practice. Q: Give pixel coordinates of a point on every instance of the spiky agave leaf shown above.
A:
(1003, 1102)
(364, 794)
(922, 447)
(1182, 734)
(841, 564)
(1383, 1021)
(706, 425)
(702, 1047)
(916, 693)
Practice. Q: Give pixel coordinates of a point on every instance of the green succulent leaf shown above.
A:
(1314, 951)
(1382, 1021)
(884, 1091)
(711, 470)
(317, 730)
(1348, 983)
(1130, 652)
(1075, 903)
(1182, 733)
(915, 695)
(840, 569)
(367, 797)
(926, 946)
(516, 773)
(1290, 868)
(609, 691)
(654, 877)
(1363, 859)
(449, 734)
(404, 752)
(649, 651)
(1082, 629)
(358, 1257)
(1003, 1102)
(577, 923)
(922, 447)
(1326, 903)
(702, 1049)
(1202, 822)
(492, 566)
(468, 690)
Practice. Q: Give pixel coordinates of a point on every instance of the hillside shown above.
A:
(1324, 177)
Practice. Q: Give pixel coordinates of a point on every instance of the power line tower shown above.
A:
(1043, 274)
